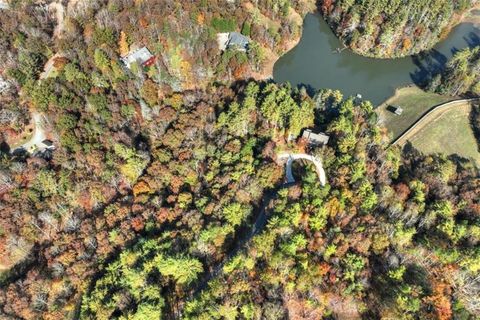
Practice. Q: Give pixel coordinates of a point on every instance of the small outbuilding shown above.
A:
(48, 145)
(142, 56)
(397, 110)
(315, 139)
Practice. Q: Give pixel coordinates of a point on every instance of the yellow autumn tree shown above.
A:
(123, 47)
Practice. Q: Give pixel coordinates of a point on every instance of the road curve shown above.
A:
(38, 134)
(425, 118)
(296, 156)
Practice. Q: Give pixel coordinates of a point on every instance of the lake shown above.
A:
(315, 63)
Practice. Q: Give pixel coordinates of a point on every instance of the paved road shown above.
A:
(296, 156)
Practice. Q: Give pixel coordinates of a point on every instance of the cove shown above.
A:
(315, 64)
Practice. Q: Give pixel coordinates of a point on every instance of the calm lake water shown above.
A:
(315, 64)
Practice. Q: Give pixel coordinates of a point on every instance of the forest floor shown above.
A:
(414, 101)
(449, 132)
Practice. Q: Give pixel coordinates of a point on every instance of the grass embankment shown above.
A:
(449, 132)
(414, 101)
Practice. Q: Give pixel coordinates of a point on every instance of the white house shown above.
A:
(142, 56)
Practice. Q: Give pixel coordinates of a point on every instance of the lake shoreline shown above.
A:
(467, 16)
(266, 72)
(315, 63)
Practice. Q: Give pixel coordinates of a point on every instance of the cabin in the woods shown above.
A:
(232, 40)
(315, 139)
(142, 56)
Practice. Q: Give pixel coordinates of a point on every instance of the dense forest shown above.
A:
(376, 242)
(461, 75)
(392, 28)
(164, 196)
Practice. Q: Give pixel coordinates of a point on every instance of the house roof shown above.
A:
(4, 85)
(47, 143)
(222, 40)
(140, 56)
(315, 138)
(238, 39)
(398, 110)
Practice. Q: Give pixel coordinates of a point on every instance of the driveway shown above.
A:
(38, 134)
(296, 156)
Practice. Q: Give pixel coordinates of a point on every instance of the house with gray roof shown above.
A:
(315, 139)
(233, 40)
(238, 41)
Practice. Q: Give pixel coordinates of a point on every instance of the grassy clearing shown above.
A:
(449, 133)
(414, 101)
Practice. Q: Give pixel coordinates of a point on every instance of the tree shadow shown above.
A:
(475, 123)
(472, 39)
(429, 64)
(418, 275)
(4, 148)
(433, 62)
(311, 91)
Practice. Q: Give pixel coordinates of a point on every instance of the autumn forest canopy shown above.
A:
(155, 189)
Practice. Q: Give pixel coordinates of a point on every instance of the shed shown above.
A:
(48, 144)
(142, 56)
(397, 110)
(316, 139)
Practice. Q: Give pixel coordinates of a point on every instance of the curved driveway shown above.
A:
(38, 134)
(296, 156)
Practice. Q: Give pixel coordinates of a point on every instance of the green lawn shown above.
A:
(414, 101)
(449, 133)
